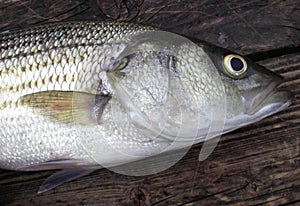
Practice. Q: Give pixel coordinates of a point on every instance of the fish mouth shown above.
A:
(272, 100)
(275, 102)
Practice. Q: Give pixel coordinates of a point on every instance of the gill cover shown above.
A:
(161, 96)
(157, 79)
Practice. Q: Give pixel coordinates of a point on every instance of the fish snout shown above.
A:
(273, 98)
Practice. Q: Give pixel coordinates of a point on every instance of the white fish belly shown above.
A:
(28, 138)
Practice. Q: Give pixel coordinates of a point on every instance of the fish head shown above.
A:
(179, 93)
(252, 91)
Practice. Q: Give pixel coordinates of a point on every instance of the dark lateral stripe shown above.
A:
(47, 50)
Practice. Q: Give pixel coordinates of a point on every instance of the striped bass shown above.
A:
(79, 96)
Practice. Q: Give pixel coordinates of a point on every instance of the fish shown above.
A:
(80, 96)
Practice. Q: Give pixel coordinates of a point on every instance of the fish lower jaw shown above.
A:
(246, 119)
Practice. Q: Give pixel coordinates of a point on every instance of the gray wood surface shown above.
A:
(257, 164)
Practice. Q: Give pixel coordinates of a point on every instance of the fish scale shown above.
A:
(55, 57)
(62, 57)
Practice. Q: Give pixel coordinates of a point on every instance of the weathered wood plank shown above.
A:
(253, 165)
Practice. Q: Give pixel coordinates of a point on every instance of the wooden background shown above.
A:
(253, 165)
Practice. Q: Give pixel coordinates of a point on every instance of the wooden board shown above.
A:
(257, 164)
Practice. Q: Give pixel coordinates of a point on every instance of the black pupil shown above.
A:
(236, 64)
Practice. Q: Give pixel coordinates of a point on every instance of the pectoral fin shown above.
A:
(67, 106)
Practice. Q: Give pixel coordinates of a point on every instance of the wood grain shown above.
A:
(257, 164)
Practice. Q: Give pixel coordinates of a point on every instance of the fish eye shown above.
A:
(235, 66)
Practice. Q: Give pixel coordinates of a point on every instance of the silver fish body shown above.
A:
(81, 92)
(63, 57)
